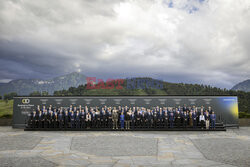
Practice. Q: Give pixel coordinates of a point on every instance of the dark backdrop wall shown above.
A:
(225, 107)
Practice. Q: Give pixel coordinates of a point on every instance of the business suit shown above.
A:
(213, 119)
(165, 120)
(127, 120)
(61, 120)
(138, 119)
(66, 120)
(143, 120)
(194, 117)
(133, 120)
(171, 120)
(115, 119)
(46, 119)
(185, 120)
(72, 119)
(77, 120)
(82, 119)
(29, 122)
(109, 115)
(51, 120)
(178, 119)
(160, 118)
(149, 119)
(56, 122)
(155, 120)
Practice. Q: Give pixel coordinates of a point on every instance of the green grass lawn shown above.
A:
(6, 109)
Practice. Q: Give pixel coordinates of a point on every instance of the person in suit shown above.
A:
(103, 118)
(138, 119)
(34, 119)
(185, 119)
(109, 113)
(149, 118)
(213, 119)
(207, 119)
(66, 119)
(98, 119)
(178, 118)
(29, 119)
(194, 118)
(45, 118)
(115, 119)
(122, 118)
(143, 120)
(88, 120)
(60, 119)
(133, 119)
(82, 119)
(171, 120)
(40, 119)
(155, 119)
(202, 120)
(184, 108)
(51, 120)
(93, 118)
(160, 117)
(165, 119)
(77, 119)
(127, 119)
(210, 110)
(56, 122)
(72, 119)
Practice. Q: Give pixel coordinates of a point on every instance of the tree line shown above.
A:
(168, 89)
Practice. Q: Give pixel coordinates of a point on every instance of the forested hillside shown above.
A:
(168, 89)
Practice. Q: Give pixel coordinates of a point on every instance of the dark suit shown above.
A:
(150, 119)
(213, 119)
(185, 120)
(72, 120)
(133, 120)
(77, 120)
(61, 120)
(82, 119)
(51, 120)
(160, 118)
(46, 119)
(29, 122)
(165, 120)
(143, 120)
(178, 119)
(194, 117)
(171, 119)
(66, 120)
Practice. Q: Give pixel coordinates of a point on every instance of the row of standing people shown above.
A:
(121, 117)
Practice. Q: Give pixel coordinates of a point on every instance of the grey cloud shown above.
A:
(109, 39)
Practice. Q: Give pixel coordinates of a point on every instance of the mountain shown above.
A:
(243, 86)
(26, 86)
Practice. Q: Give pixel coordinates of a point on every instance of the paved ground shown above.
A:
(27, 148)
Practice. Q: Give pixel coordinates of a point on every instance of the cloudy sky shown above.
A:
(190, 41)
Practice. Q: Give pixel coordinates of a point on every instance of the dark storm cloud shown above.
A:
(119, 39)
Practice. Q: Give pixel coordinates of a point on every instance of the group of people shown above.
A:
(121, 117)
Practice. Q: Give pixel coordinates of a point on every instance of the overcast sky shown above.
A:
(190, 41)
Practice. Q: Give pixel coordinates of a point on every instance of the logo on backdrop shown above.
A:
(25, 101)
